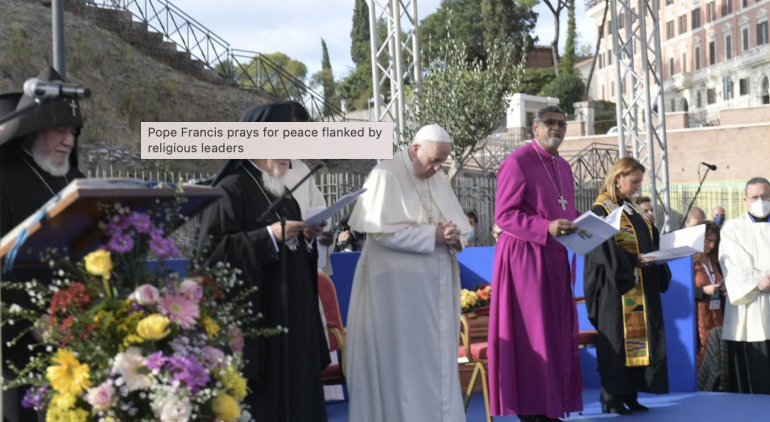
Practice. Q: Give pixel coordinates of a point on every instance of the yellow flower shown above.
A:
(99, 263)
(64, 415)
(468, 298)
(62, 401)
(153, 327)
(210, 326)
(233, 382)
(69, 376)
(225, 407)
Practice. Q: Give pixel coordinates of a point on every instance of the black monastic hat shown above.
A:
(52, 113)
(275, 112)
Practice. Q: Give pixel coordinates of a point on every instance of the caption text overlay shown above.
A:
(233, 140)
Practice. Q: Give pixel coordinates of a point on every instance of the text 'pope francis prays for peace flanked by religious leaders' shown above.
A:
(404, 318)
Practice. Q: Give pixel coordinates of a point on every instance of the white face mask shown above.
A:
(760, 208)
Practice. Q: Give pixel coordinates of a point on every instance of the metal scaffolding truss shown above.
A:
(639, 94)
(394, 59)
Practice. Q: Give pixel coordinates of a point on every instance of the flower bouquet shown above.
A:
(122, 341)
(480, 296)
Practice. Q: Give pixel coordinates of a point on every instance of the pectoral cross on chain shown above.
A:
(563, 203)
(74, 107)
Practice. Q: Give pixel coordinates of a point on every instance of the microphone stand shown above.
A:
(285, 286)
(696, 194)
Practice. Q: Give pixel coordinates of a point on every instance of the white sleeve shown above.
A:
(740, 272)
(414, 239)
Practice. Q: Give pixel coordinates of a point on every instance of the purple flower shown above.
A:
(124, 221)
(163, 247)
(141, 222)
(120, 244)
(189, 371)
(113, 229)
(34, 398)
(155, 361)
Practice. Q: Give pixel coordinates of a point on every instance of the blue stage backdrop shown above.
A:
(678, 307)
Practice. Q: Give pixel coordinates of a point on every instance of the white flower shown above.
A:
(146, 295)
(14, 309)
(127, 364)
(175, 410)
(245, 416)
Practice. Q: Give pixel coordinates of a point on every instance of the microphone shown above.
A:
(36, 88)
(710, 166)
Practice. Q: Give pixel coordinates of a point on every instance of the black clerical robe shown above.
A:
(24, 188)
(235, 236)
(609, 273)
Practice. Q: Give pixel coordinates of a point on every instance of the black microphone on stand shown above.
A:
(708, 167)
(284, 282)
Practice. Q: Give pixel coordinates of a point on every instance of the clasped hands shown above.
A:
(447, 233)
(294, 228)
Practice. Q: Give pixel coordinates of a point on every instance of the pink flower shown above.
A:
(101, 397)
(180, 310)
(212, 357)
(146, 295)
(191, 290)
(236, 338)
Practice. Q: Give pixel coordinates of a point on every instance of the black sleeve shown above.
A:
(620, 264)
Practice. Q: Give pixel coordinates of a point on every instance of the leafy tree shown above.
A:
(569, 60)
(325, 79)
(568, 88)
(360, 50)
(467, 99)
(535, 79)
(274, 74)
(508, 20)
(556, 6)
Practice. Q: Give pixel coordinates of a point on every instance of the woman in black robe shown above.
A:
(631, 345)
(231, 233)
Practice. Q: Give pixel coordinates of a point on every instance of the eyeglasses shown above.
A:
(553, 122)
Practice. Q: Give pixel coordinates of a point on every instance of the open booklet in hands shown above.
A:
(591, 232)
(678, 244)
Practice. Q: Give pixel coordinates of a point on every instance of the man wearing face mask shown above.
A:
(403, 324)
(744, 254)
(534, 366)
(718, 215)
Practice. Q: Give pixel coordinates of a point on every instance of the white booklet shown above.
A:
(326, 214)
(591, 232)
(679, 243)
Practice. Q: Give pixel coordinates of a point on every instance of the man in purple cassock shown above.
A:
(534, 366)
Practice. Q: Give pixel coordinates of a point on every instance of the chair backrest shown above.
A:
(331, 307)
(477, 323)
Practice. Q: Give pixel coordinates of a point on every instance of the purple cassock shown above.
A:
(534, 366)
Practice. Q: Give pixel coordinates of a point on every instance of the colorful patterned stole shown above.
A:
(637, 344)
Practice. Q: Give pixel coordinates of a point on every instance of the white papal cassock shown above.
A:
(403, 323)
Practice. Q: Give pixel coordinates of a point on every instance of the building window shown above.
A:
(671, 66)
(698, 102)
(609, 58)
(682, 24)
(603, 97)
(727, 7)
(711, 96)
(621, 20)
(712, 52)
(745, 39)
(601, 61)
(697, 58)
(727, 88)
(762, 33)
(696, 18)
(669, 30)
(684, 62)
(743, 86)
(673, 106)
(711, 13)
(744, 3)
(729, 47)
(612, 89)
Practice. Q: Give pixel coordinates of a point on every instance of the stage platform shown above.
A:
(674, 407)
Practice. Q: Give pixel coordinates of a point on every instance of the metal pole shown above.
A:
(57, 20)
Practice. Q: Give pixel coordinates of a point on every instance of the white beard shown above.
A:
(47, 163)
(273, 184)
(553, 142)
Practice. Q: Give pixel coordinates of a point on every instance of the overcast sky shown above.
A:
(295, 27)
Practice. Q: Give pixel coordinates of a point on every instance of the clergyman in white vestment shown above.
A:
(744, 253)
(404, 317)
